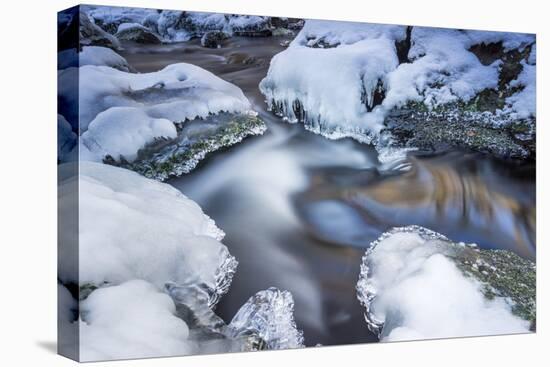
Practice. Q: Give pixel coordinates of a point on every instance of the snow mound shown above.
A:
(178, 93)
(122, 131)
(131, 320)
(331, 90)
(131, 227)
(413, 288)
(351, 75)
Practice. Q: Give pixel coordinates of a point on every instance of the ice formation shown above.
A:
(416, 284)
(351, 75)
(269, 315)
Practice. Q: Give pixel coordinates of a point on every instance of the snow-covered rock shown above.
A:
(131, 227)
(92, 55)
(417, 284)
(160, 123)
(137, 33)
(352, 76)
(110, 18)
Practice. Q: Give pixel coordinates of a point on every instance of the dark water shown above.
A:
(298, 209)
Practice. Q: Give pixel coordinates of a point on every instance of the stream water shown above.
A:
(299, 210)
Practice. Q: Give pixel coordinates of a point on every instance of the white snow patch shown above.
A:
(122, 131)
(131, 227)
(419, 293)
(131, 320)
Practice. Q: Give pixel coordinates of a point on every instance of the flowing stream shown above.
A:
(299, 210)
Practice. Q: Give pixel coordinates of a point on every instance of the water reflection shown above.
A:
(468, 197)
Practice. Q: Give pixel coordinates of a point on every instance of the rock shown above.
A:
(213, 39)
(413, 256)
(137, 33)
(92, 35)
(165, 159)
(461, 126)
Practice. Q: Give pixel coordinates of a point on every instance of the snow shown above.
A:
(114, 326)
(174, 94)
(121, 132)
(177, 92)
(131, 227)
(91, 55)
(443, 70)
(330, 83)
(335, 33)
(339, 61)
(410, 285)
(126, 26)
(116, 15)
(524, 103)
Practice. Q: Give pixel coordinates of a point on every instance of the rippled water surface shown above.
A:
(299, 210)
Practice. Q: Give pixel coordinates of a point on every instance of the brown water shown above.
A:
(299, 210)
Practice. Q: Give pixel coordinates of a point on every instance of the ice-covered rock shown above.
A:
(484, 79)
(91, 34)
(417, 284)
(137, 33)
(161, 123)
(109, 18)
(267, 317)
(131, 227)
(213, 39)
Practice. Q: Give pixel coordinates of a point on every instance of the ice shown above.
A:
(349, 76)
(131, 320)
(268, 315)
(412, 288)
(131, 227)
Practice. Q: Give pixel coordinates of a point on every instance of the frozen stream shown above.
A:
(298, 208)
